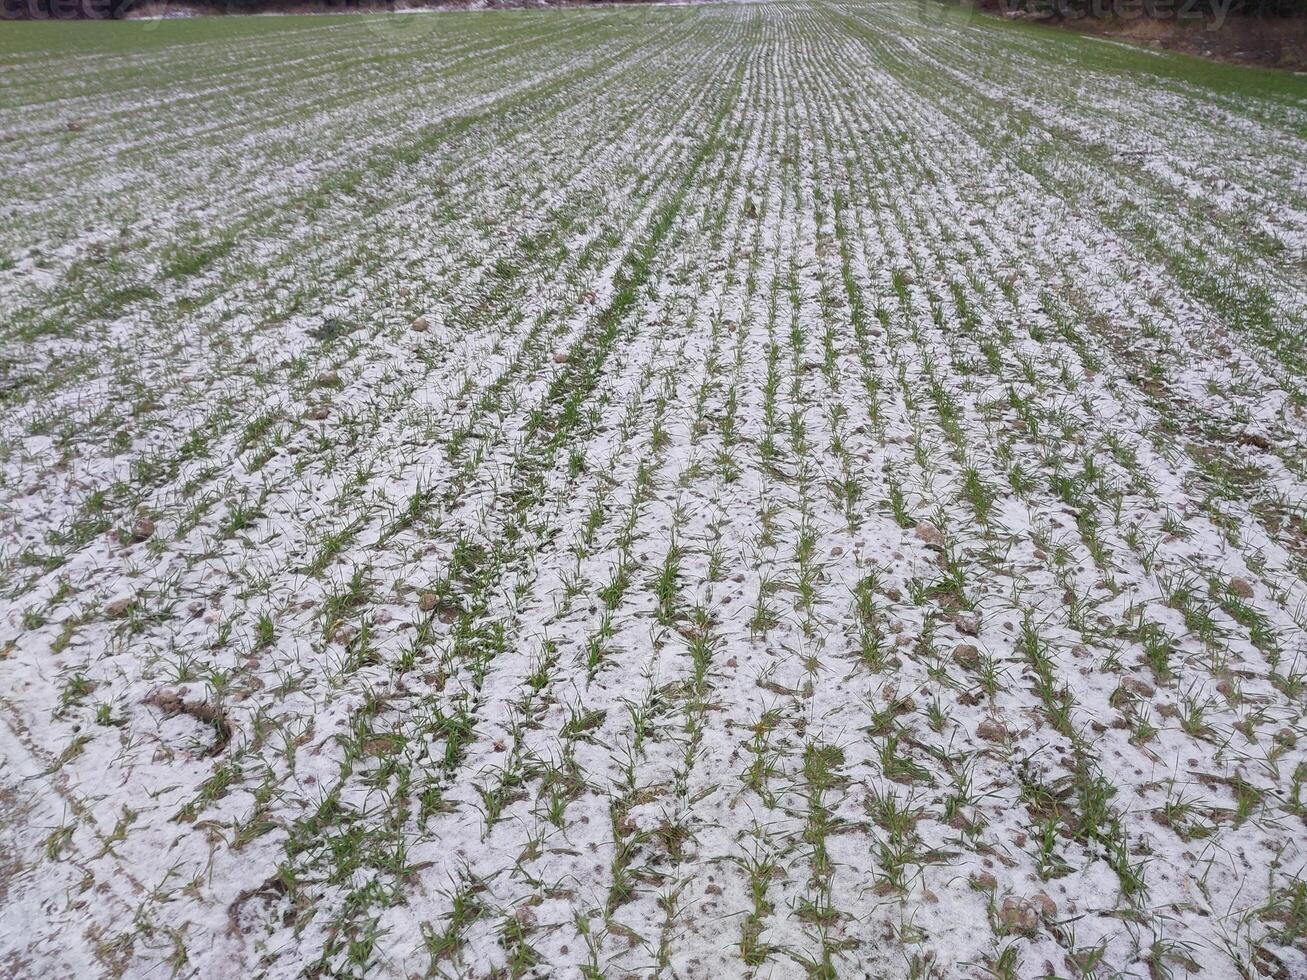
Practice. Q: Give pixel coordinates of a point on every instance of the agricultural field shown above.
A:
(803, 489)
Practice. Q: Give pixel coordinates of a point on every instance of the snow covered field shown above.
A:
(800, 489)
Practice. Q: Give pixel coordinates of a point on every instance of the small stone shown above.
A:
(428, 601)
(1019, 915)
(560, 357)
(992, 731)
(966, 655)
(1241, 587)
(328, 379)
(930, 534)
(405, 291)
(1047, 907)
(117, 608)
(419, 325)
(75, 125)
(968, 624)
(984, 881)
(142, 529)
(713, 889)
(318, 413)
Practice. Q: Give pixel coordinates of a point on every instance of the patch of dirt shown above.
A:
(1270, 43)
(11, 814)
(1279, 42)
(171, 703)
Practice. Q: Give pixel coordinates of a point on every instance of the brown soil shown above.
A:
(1268, 42)
(1280, 43)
